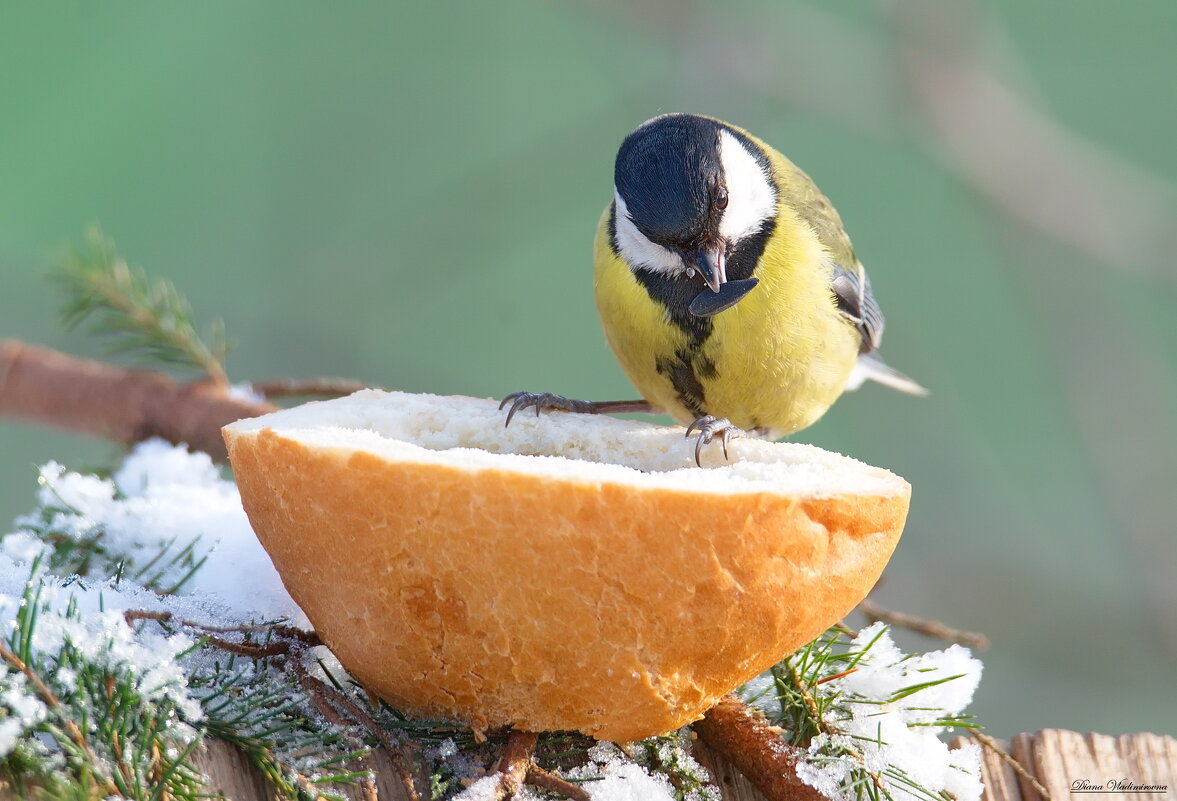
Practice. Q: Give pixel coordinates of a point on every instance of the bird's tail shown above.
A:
(870, 366)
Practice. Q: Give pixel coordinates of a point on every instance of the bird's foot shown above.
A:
(710, 427)
(545, 400)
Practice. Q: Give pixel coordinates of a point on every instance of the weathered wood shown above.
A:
(732, 784)
(1073, 766)
(1061, 760)
(230, 774)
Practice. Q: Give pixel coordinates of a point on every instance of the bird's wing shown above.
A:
(850, 283)
(814, 208)
(858, 305)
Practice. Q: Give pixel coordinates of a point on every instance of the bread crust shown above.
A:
(497, 597)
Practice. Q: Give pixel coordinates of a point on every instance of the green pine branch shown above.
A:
(93, 733)
(799, 700)
(149, 317)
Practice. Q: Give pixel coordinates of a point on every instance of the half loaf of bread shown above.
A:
(568, 572)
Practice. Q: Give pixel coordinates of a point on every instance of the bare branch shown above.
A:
(930, 628)
(117, 403)
(744, 738)
(303, 387)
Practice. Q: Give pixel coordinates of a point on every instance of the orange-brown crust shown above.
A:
(497, 597)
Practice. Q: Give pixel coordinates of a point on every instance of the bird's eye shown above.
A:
(721, 199)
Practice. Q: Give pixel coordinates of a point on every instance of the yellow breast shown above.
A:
(775, 361)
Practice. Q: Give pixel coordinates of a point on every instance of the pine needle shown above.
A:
(149, 317)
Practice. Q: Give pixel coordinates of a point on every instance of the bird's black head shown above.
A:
(690, 193)
(669, 175)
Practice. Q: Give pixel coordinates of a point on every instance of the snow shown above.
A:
(886, 734)
(164, 493)
(485, 789)
(90, 620)
(161, 493)
(615, 778)
(244, 391)
(609, 775)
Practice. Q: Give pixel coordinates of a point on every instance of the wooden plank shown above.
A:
(1082, 767)
(997, 775)
(1060, 759)
(1096, 766)
(230, 774)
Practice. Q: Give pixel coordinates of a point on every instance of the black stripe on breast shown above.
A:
(674, 293)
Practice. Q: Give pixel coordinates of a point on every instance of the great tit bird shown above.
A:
(727, 287)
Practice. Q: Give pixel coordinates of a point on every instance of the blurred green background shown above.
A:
(407, 195)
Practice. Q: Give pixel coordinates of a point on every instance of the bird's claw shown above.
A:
(544, 400)
(710, 427)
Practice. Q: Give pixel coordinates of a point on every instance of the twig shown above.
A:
(278, 648)
(754, 746)
(301, 387)
(146, 315)
(322, 692)
(538, 777)
(515, 763)
(993, 745)
(931, 628)
(117, 403)
(307, 638)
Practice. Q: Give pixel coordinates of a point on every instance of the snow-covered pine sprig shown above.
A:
(78, 544)
(88, 710)
(869, 715)
(253, 706)
(91, 707)
(160, 495)
(146, 316)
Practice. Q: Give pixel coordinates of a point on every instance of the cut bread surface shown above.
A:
(470, 433)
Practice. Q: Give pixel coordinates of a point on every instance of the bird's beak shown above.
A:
(711, 262)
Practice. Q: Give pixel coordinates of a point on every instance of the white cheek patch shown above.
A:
(751, 197)
(638, 251)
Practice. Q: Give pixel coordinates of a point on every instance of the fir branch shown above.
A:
(100, 733)
(804, 697)
(51, 701)
(254, 709)
(140, 315)
(669, 756)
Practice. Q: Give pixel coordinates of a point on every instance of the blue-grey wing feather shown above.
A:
(857, 303)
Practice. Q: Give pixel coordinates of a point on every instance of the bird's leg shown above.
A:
(546, 400)
(710, 427)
